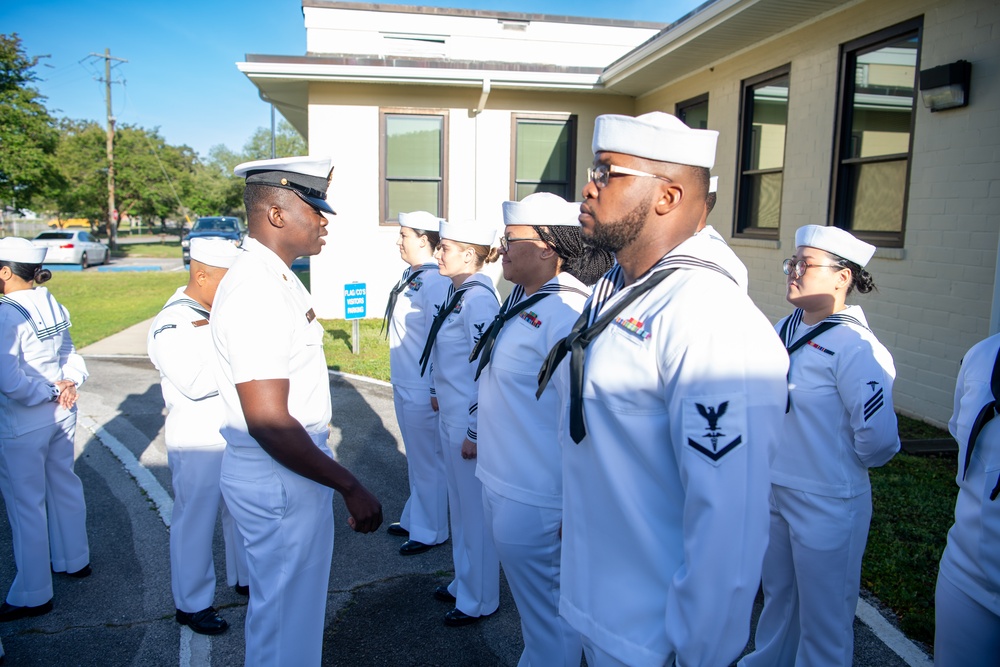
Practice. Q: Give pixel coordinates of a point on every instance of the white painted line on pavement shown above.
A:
(360, 378)
(161, 499)
(891, 636)
(195, 651)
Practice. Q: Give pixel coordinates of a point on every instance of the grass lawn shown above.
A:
(165, 250)
(913, 497)
(101, 304)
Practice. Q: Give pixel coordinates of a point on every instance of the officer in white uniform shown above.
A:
(839, 423)
(471, 304)
(278, 474)
(676, 386)
(180, 346)
(520, 461)
(39, 373)
(967, 600)
(412, 305)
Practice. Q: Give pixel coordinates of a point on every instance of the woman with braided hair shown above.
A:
(39, 373)
(520, 461)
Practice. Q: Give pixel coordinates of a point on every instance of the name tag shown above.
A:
(310, 315)
(199, 323)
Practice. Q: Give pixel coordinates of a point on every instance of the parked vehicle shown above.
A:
(212, 227)
(72, 247)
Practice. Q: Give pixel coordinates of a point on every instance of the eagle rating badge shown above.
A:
(714, 425)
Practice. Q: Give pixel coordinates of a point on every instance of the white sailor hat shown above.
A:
(836, 241)
(469, 231)
(713, 184)
(22, 251)
(214, 252)
(308, 177)
(542, 209)
(421, 220)
(655, 136)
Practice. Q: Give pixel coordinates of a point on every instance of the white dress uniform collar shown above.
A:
(39, 310)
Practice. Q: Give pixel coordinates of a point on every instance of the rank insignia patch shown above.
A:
(635, 328)
(531, 318)
(874, 398)
(714, 425)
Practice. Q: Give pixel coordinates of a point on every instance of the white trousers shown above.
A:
(46, 509)
(477, 567)
(966, 634)
(528, 543)
(425, 514)
(195, 475)
(287, 523)
(811, 579)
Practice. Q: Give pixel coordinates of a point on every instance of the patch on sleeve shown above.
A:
(715, 425)
(874, 398)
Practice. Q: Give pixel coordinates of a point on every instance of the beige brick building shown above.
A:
(817, 102)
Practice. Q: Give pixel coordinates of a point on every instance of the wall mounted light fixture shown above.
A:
(946, 86)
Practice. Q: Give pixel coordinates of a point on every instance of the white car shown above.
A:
(72, 247)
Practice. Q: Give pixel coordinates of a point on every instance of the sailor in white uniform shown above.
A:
(520, 460)
(676, 386)
(412, 305)
(278, 474)
(967, 601)
(39, 375)
(839, 423)
(180, 346)
(471, 304)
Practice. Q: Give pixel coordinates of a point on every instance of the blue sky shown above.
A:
(181, 75)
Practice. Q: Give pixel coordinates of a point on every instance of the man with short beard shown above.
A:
(677, 388)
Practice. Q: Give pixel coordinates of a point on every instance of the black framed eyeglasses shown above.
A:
(798, 267)
(505, 241)
(602, 173)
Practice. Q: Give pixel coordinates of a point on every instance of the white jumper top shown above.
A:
(971, 560)
(841, 420)
(36, 350)
(665, 513)
(179, 344)
(410, 322)
(519, 456)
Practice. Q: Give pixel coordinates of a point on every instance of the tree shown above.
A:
(28, 134)
(287, 143)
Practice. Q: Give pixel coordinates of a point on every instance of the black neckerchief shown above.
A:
(394, 295)
(444, 310)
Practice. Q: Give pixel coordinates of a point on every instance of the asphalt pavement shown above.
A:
(380, 610)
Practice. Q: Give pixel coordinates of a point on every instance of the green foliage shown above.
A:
(373, 358)
(913, 504)
(28, 137)
(96, 306)
(287, 142)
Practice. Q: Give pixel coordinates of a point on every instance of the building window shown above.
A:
(543, 156)
(694, 112)
(413, 163)
(878, 76)
(762, 154)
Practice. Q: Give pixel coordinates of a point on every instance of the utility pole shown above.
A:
(112, 220)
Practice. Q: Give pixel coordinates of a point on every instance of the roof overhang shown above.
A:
(715, 31)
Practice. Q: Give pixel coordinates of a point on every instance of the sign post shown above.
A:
(355, 308)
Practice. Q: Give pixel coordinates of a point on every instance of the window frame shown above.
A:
(746, 143)
(840, 212)
(681, 107)
(568, 118)
(383, 114)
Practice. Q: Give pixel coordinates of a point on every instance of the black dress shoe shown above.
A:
(83, 572)
(441, 593)
(412, 547)
(456, 618)
(204, 622)
(397, 530)
(242, 589)
(9, 612)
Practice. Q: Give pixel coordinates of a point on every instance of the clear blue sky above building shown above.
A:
(181, 75)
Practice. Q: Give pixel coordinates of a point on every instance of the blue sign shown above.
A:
(355, 301)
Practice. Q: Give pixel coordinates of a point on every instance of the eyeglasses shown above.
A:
(799, 266)
(602, 173)
(505, 241)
